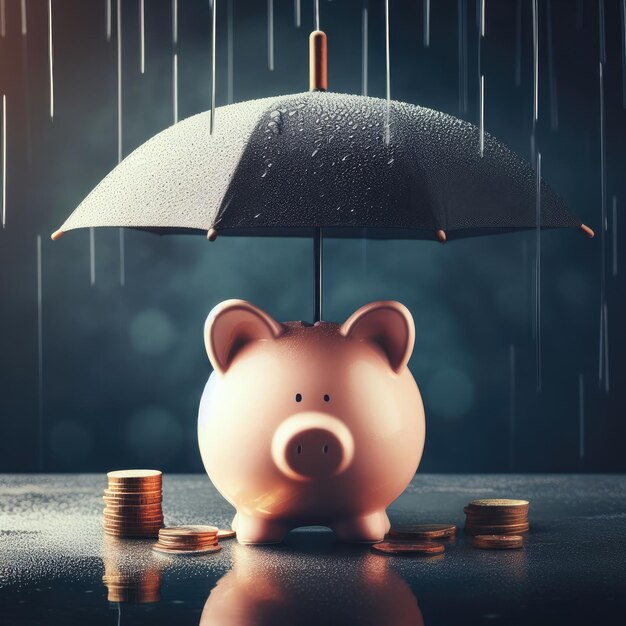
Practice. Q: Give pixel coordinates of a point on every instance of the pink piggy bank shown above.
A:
(303, 425)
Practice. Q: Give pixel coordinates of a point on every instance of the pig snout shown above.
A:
(312, 445)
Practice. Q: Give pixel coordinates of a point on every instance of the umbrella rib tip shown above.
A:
(588, 231)
(441, 235)
(57, 234)
(211, 234)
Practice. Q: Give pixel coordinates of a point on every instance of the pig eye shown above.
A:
(326, 398)
(298, 397)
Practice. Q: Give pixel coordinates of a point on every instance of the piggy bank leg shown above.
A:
(366, 529)
(252, 530)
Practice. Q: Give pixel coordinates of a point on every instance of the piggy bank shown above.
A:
(303, 425)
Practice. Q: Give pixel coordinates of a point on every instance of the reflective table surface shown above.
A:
(572, 569)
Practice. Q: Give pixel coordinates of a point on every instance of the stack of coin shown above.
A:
(496, 517)
(188, 540)
(133, 503)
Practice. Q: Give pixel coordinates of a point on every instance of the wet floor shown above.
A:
(53, 559)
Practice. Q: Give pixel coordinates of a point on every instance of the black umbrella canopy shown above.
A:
(324, 164)
(286, 165)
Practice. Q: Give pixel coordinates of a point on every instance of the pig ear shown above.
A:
(387, 325)
(230, 326)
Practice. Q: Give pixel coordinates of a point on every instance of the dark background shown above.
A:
(123, 367)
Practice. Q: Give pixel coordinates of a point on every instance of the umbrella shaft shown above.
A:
(317, 263)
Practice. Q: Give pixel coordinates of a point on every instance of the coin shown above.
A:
(499, 502)
(422, 531)
(408, 547)
(158, 548)
(135, 534)
(132, 513)
(131, 496)
(226, 534)
(187, 541)
(134, 474)
(498, 542)
(189, 530)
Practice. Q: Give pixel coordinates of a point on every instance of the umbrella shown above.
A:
(323, 164)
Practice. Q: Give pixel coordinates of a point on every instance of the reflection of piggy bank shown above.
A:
(305, 425)
(262, 590)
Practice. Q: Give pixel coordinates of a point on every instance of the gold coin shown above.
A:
(144, 534)
(503, 529)
(126, 514)
(422, 531)
(189, 530)
(498, 542)
(159, 548)
(498, 502)
(408, 547)
(134, 496)
(134, 474)
(115, 517)
(193, 541)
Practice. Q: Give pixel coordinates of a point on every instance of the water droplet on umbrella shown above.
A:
(315, 152)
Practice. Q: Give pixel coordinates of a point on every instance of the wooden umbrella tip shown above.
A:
(211, 234)
(318, 63)
(57, 234)
(441, 235)
(587, 230)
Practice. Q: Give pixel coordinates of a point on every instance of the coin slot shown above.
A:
(299, 449)
(325, 448)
